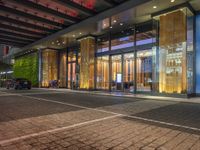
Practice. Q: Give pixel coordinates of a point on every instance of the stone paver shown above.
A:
(49, 126)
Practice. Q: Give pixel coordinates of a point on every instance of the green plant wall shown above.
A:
(27, 67)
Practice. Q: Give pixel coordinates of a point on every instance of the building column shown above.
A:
(87, 47)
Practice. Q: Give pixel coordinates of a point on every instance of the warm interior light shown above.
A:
(121, 24)
(154, 7)
(115, 21)
(172, 1)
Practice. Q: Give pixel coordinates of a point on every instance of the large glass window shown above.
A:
(123, 42)
(102, 44)
(102, 76)
(71, 75)
(73, 70)
(173, 57)
(128, 72)
(116, 61)
(144, 70)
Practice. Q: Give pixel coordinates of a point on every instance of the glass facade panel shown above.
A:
(128, 72)
(102, 45)
(144, 70)
(190, 53)
(123, 42)
(173, 52)
(71, 75)
(102, 75)
(116, 83)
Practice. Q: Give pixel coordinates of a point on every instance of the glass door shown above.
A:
(72, 75)
(116, 82)
(128, 72)
(144, 70)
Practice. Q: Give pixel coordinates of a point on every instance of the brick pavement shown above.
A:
(46, 125)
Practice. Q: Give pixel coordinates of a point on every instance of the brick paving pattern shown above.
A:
(99, 123)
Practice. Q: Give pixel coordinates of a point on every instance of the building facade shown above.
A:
(157, 56)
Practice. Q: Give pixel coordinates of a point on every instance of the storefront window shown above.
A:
(102, 78)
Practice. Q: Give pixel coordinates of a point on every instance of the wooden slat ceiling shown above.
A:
(25, 21)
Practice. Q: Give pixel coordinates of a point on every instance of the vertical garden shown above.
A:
(27, 67)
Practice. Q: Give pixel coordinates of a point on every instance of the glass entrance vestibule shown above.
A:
(144, 59)
(122, 70)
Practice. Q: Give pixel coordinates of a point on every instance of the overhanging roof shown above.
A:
(46, 17)
(107, 13)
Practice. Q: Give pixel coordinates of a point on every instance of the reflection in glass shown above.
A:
(116, 83)
(102, 76)
(102, 45)
(123, 42)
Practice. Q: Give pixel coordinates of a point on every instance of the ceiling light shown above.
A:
(104, 24)
(111, 27)
(52, 43)
(80, 33)
(121, 24)
(73, 35)
(172, 1)
(154, 7)
(115, 21)
(63, 42)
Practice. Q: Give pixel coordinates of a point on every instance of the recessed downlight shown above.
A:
(155, 7)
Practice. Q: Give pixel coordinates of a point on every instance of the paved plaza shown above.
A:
(52, 119)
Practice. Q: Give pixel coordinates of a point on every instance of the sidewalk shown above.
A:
(127, 95)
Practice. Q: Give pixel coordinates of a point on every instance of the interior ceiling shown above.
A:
(26, 21)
